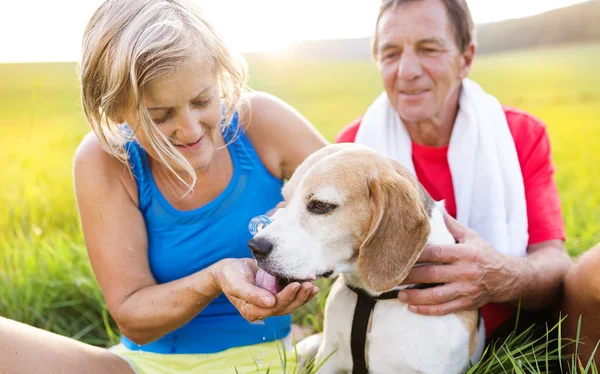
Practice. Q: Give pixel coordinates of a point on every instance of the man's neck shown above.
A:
(436, 131)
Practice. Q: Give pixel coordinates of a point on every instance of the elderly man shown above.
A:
(490, 163)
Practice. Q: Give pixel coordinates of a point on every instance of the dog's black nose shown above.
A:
(260, 247)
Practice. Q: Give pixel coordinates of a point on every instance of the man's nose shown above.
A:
(409, 66)
(260, 247)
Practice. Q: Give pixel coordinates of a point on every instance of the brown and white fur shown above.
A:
(354, 213)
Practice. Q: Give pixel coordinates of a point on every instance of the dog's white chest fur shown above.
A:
(399, 341)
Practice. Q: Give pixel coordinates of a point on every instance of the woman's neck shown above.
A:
(210, 181)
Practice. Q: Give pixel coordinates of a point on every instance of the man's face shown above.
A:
(420, 63)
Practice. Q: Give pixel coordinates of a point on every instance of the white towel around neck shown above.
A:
(486, 175)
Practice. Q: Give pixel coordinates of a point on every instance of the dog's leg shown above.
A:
(307, 350)
(480, 343)
(330, 365)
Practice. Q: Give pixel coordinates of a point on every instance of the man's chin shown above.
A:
(414, 116)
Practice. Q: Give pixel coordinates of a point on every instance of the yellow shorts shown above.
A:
(247, 359)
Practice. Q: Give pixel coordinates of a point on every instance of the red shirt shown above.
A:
(544, 214)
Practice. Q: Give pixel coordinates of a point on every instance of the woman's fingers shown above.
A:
(236, 279)
(250, 311)
(237, 282)
(287, 296)
(302, 297)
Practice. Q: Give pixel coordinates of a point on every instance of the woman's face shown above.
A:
(185, 106)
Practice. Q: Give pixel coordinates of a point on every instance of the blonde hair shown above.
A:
(126, 44)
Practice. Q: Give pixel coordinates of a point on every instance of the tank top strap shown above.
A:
(236, 137)
(137, 160)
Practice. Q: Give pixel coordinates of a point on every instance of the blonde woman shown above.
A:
(179, 161)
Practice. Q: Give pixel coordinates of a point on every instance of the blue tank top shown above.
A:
(181, 243)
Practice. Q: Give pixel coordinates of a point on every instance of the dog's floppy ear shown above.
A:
(426, 199)
(398, 231)
(306, 165)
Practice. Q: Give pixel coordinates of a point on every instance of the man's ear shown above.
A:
(467, 60)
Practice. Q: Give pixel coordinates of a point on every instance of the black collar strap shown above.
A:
(360, 323)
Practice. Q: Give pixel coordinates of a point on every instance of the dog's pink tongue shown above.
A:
(266, 281)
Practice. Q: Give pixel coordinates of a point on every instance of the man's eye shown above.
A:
(320, 207)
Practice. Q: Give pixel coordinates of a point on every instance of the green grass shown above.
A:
(45, 278)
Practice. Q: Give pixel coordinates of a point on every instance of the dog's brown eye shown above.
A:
(320, 207)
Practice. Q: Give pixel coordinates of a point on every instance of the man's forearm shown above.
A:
(540, 277)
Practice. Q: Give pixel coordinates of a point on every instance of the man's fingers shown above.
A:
(458, 231)
(443, 253)
(453, 306)
(430, 274)
(434, 295)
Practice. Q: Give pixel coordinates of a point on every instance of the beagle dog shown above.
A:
(355, 214)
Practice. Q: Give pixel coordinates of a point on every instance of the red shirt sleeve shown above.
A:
(348, 133)
(544, 212)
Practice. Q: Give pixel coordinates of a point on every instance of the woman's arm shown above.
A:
(116, 240)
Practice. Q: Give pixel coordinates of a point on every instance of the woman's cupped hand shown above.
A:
(237, 279)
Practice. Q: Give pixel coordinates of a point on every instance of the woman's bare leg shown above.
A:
(582, 297)
(25, 349)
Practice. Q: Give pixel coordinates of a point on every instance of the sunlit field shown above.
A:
(45, 277)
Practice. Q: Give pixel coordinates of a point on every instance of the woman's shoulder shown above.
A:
(260, 111)
(280, 134)
(93, 165)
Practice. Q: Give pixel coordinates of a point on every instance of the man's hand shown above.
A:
(472, 272)
(236, 277)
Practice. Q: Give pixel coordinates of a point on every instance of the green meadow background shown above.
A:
(45, 277)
